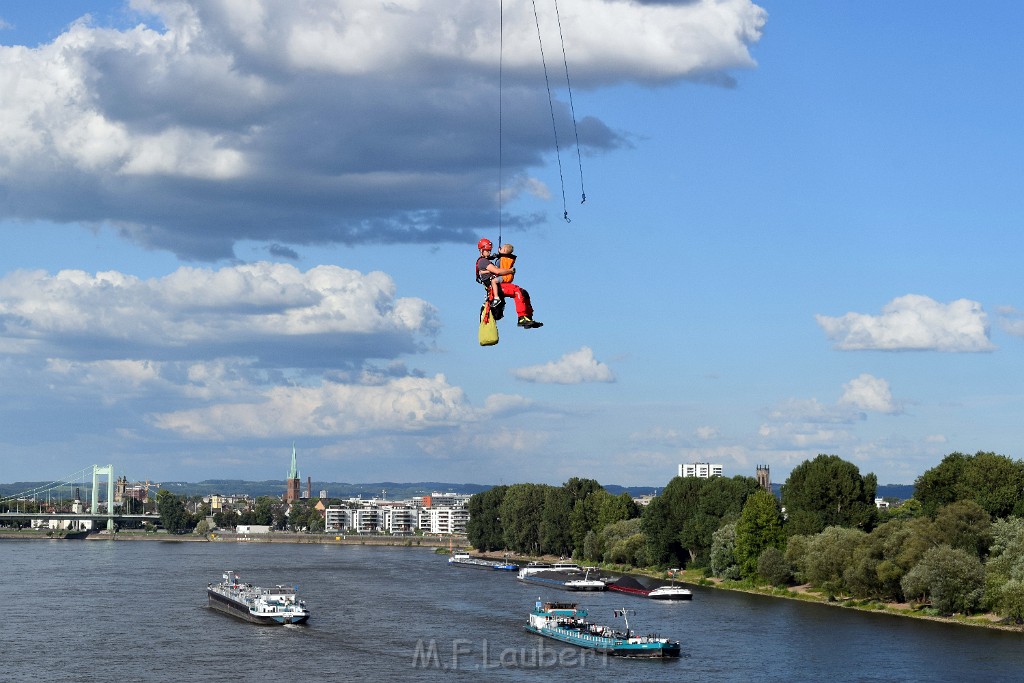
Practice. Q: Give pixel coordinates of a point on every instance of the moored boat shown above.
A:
(467, 560)
(543, 578)
(534, 567)
(537, 567)
(586, 583)
(670, 593)
(568, 623)
(629, 584)
(566, 581)
(277, 605)
(506, 566)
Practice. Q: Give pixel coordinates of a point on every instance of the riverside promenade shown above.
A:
(220, 536)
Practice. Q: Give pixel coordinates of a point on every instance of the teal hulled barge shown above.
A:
(567, 622)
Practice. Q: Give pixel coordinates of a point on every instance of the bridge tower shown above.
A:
(97, 472)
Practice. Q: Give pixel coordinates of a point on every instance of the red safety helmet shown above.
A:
(484, 244)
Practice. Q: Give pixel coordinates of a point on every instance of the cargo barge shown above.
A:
(567, 622)
(277, 605)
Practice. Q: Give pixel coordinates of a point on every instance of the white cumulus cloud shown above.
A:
(1012, 320)
(317, 121)
(575, 367)
(324, 316)
(706, 432)
(867, 392)
(331, 409)
(806, 427)
(912, 322)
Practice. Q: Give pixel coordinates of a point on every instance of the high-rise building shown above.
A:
(702, 470)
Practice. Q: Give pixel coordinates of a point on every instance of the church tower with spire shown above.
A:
(292, 483)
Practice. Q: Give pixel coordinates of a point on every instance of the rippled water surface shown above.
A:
(136, 611)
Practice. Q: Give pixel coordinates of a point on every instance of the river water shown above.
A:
(137, 611)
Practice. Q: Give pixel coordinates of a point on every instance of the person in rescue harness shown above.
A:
(491, 276)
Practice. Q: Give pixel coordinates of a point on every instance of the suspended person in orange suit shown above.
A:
(489, 274)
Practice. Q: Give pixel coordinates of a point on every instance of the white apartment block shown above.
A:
(397, 517)
(337, 518)
(444, 520)
(701, 470)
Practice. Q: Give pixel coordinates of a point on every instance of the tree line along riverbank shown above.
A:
(955, 548)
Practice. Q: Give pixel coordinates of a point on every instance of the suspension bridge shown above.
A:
(60, 504)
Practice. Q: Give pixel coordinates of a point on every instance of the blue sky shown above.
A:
(226, 232)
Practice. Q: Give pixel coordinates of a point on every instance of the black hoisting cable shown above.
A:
(551, 106)
(572, 109)
(501, 58)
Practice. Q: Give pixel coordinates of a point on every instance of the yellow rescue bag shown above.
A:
(488, 327)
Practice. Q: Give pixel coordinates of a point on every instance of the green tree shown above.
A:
(759, 528)
(951, 578)
(623, 542)
(586, 498)
(828, 491)
(773, 567)
(940, 485)
(173, 516)
(965, 525)
(298, 514)
(1005, 564)
(663, 519)
(996, 483)
(246, 516)
(278, 516)
(679, 524)
(993, 481)
(579, 489)
(263, 512)
(484, 530)
(556, 537)
(520, 514)
(828, 555)
(908, 509)
(720, 500)
(616, 509)
(796, 556)
(1006, 552)
(723, 552)
(880, 562)
(1010, 602)
(593, 547)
